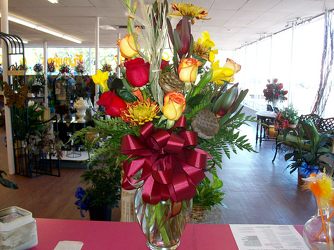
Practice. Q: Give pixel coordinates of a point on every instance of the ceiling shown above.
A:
(232, 23)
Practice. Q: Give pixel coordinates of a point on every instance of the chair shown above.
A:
(325, 126)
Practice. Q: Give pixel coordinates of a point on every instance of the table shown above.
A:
(263, 118)
(100, 235)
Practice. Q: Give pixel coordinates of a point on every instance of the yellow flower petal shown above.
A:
(101, 78)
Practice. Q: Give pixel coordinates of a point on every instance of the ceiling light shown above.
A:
(107, 27)
(25, 41)
(42, 28)
(53, 1)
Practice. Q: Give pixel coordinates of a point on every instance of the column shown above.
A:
(97, 48)
(45, 65)
(5, 63)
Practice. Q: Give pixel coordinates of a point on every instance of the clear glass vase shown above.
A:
(318, 231)
(162, 223)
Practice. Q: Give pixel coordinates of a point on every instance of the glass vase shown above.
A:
(162, 223)
(318, 231)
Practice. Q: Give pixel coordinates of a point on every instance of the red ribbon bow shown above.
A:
(165, 163)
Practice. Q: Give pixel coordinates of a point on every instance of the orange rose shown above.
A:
(127, 46)
(187, 70)
(174, 105)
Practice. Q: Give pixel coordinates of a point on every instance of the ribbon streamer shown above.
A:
(166, 163)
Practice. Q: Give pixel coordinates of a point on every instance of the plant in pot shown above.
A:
(208, 194)
(102, 192)
(308, 148)
(291, 115)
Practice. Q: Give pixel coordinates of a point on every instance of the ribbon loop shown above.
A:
(166, 163)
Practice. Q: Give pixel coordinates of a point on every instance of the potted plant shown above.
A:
(291, 115)
(102, 192)
(308, 148)
(208, 194)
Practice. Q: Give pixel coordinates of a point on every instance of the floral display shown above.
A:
(169, 120)
(106, 68)
(318, 230)
(38, 68)
(51, 67)
(64, 69)
(274, 91)
(288, 117)
(80, 68)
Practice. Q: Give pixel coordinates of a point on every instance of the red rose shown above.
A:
(164, 64)
(112, 103)
(280, 86)
(285, 92)
(137, 72)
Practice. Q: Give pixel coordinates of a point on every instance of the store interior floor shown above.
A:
(256, 190)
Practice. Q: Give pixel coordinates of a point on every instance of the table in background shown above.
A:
(98, 235)
(263, 118)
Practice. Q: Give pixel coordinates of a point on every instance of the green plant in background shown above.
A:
(308, 147)
(103, 186)
(27, 121)
(290, 114)
(103, 174)
(209, 192)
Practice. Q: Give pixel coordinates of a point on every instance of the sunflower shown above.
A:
(140, 112)
(189, 10)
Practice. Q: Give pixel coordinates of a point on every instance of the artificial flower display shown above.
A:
(188, 69)
(127, 46)
(137, 72)
(170, 119)
(101, 78)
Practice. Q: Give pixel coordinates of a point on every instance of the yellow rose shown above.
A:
(174, 105)
(127, 46)
(230, 64)
(187, 70)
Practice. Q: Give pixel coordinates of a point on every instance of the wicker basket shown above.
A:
(198, 214)
(128, 205)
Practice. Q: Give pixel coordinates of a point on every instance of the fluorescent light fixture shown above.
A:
(53, 1)
(107, 27)
(25, 41)
(42, 28)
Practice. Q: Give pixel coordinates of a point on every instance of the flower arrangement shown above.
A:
(80, 68)
(274, 91)
(51, 67)
(168, 118)
(64, 69)
(106, 68)
(288, 117)
(318, 230)
(38, 68)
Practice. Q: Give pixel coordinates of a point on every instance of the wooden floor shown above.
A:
(256, 191)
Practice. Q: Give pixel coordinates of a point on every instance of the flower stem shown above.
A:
(159, 211)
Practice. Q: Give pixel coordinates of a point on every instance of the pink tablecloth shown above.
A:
(117, 235)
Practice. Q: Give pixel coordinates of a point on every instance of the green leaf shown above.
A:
(126, 95)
